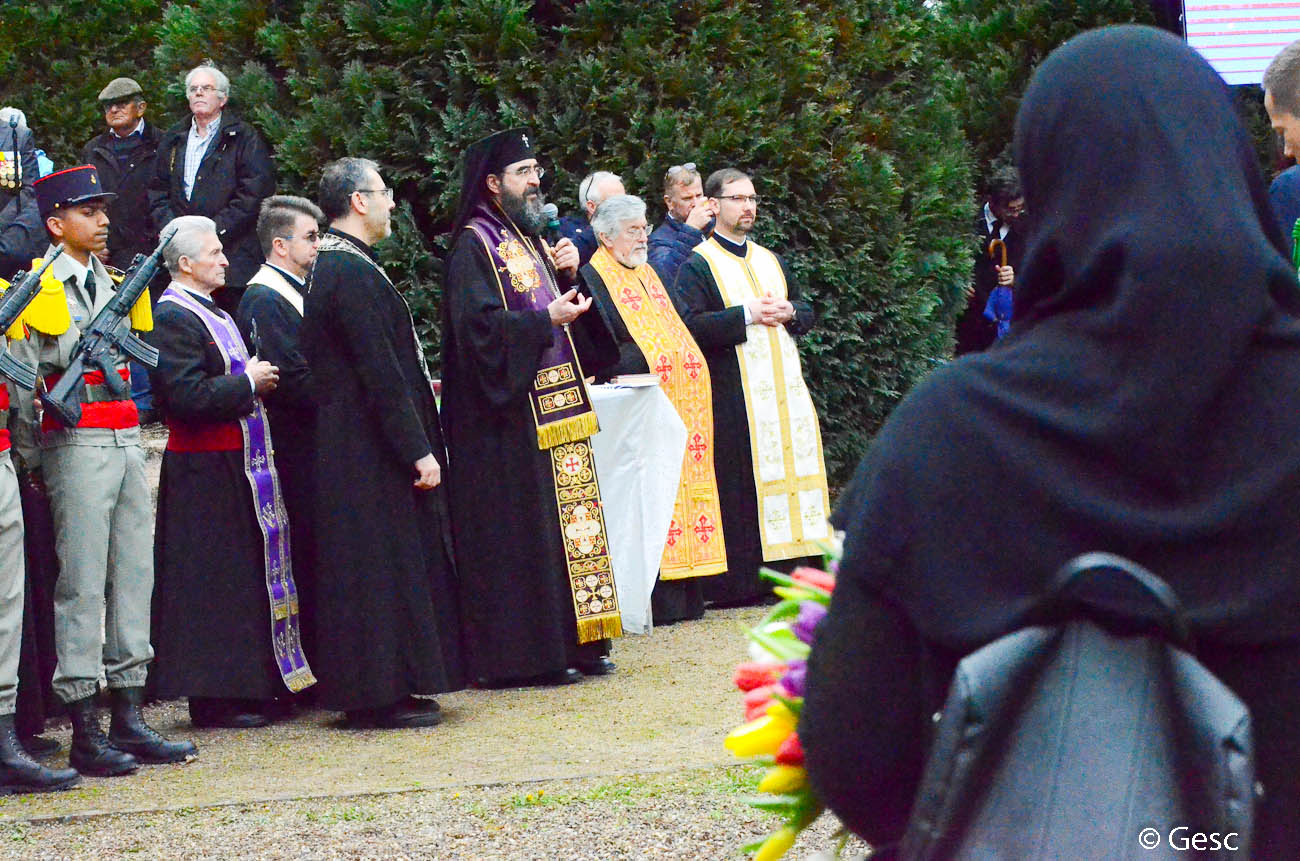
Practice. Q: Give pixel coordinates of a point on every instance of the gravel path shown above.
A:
(696, 814)
(593, 770)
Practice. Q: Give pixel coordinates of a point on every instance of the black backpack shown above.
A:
(1097, 735)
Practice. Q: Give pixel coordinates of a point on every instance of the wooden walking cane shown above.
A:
(996, 245)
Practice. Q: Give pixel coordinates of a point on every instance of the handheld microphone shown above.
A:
(551, 229)
(17, 162)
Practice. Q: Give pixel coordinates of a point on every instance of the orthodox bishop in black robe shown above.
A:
(526, 535)
(386, 602)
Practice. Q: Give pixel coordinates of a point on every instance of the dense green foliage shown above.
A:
(865, 123)
(995, 47)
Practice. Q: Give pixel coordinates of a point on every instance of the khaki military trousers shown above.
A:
(104, 539)
(12, 574)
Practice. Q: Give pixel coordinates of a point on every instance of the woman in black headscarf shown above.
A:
(1143, 404)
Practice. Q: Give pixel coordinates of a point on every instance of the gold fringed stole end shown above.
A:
(300, 680)
(603, 628)
(586, 549)
(571, 429)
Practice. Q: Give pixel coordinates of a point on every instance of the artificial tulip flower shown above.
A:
(783, 779)
(776, 845)
(791, 751)
(813, 577)
(755, 675)
(762, 737)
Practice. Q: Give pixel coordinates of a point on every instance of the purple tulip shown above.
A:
(810, 615)
(793, 680)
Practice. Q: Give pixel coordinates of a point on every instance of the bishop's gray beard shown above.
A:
(525, 210)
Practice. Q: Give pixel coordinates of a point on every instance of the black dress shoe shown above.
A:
(213, 713)
(428, 704)
(39, 746)
(400, 715)
(568, 676)
(601, 666)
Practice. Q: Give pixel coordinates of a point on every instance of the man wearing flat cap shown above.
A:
(123, 155)
(99, 494)
(537, 593)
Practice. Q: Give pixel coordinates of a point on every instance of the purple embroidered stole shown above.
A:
(259, 467)
(561, 406)
(565, 419)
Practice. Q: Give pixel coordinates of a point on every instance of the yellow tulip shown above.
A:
(760, 737)
(782, 779)
(776, 845)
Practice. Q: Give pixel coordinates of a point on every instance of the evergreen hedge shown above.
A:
(858, 118)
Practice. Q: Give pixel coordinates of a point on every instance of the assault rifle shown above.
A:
(16, 299)
(108, 330)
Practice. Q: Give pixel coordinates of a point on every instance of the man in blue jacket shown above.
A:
(688, 223)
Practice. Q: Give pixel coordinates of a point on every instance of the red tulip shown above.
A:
(755, 675)
(790, 752)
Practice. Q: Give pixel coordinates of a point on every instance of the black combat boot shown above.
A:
(91, 751)
(20, 773)
(130, 733)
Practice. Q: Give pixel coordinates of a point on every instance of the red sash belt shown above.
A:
(227, 436)
(111, 414)
(4, 418)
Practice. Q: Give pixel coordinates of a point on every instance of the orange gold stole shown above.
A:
(694, 547)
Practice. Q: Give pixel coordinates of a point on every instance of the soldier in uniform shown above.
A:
(95, 477)
(18, 771)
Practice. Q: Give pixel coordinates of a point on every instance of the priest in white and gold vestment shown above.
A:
(744, 310)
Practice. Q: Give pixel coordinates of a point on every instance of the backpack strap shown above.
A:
(1110, 588)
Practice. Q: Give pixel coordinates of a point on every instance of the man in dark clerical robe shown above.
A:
(388, 630)
(743, 308)
(226, 605)
(652, 337)
(540, 600)
(270, 317)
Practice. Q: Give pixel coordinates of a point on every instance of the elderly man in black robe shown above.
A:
(517, 344)
(227, 607)
(387, 625)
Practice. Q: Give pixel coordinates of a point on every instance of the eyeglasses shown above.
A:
(528, 170)
(310, 236)
(204, 89)
(635, 232)
(740, 198)
(120, 104)
(387, 192)
(689, 167)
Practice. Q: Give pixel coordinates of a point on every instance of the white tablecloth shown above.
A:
(638, 453)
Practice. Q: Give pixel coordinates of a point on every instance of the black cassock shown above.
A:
(386, 595)
(212, 618)
(291, 410)
(518, 607)
(718, 330)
